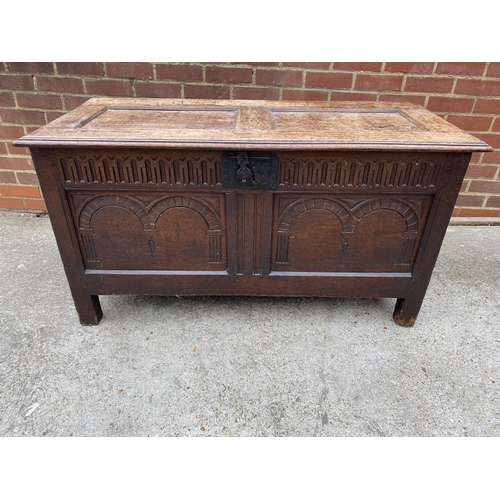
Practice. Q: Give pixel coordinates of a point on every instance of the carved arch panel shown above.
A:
(337, 249)
(194, 240)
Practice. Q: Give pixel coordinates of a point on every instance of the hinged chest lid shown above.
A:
(252, 125)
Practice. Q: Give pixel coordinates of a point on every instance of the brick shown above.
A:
(11, 203)
(304, 95)
(409, 67)
(455, 212)
(59, 84)
(482, 171)
(493, 70)
(477, 87)
(415, 99)
(16, 164)
(471, 123)
(154, 89)
(478, 212)
(220, 74)
(7, 177)
(428, 84)
(53, 115)
(206, 92)
(485, 187)
(280, 77)
(35, 205)
(476, 157)
(6, 99)
(109, 87)
(329, 80)
(450, 104)
(487, 106)
(461, 68)
(465, 200)
(30, 67)
(16, 82)
(491, 157)
(20, 191)
(492, 139)
(256, 93)
(181, 72)
(353, 96)
(378, 82)
(493, 202)
(28, 178)
(80, 68)
(130, 69)
(43, 101)
(10, 132)
(73, 101)
(308, 65)
(22, 116)
(496, 125)
(358, 66)
(3, 148)
(15, 151)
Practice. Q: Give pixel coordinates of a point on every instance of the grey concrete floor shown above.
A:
(219, 366)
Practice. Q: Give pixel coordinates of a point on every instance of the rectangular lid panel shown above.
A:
(162, 118)
(335, 121)
(252, 125)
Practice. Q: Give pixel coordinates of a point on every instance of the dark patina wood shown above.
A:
(192, 197)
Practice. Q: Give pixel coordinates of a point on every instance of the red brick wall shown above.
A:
(465, 94)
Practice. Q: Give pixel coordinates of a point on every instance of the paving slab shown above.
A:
(241, 366)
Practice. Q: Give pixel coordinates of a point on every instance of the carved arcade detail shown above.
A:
(349, 217)
(148, 215)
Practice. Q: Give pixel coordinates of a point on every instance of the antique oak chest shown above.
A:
(276, 198)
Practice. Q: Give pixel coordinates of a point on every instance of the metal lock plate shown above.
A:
(249, 170)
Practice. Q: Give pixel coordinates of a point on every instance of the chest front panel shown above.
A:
(327, 212)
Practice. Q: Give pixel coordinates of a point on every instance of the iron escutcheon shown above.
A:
(249, 170)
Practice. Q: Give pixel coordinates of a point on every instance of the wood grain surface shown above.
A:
(237, 124)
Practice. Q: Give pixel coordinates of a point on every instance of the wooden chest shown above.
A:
(196, 197)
